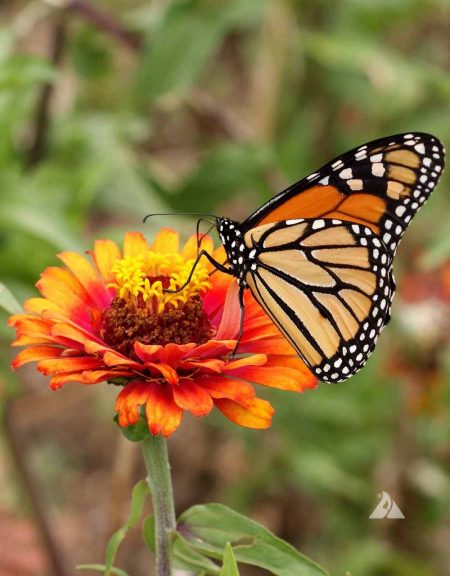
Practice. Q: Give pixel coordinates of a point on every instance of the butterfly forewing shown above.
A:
(327, 285)
(318, 256)
(381, 185)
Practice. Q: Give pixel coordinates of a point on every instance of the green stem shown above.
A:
(160, 482)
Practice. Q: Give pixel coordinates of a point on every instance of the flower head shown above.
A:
(114, 319)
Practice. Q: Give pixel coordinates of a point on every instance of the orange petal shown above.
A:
(113, 358)
(134, 244)
(41, 305)
(147, 352)
(255, 360)
(257, 414)
(171, 354)
(96, 376)
(87, 277)
(211, 364)
(62, 288)
(219, 255)
(166, 240)
(275, 377)
(105, 254)
(128, 402)
(231, 316)
(190, 248)
(305, 375)
(59, 365)
(190, 396)
(34, 354)
(212, 348)
(163, 415)
(26, 325)
(59, 380)
(166, 371)
(221, 387)
(32, 341)
(267, 346)
(68, 333)
(259, 327)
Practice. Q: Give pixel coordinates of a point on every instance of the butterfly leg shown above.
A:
(213, 261)
(241, 320)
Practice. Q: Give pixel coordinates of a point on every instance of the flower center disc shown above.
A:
(143, 312)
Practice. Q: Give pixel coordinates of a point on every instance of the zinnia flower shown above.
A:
(113, 320)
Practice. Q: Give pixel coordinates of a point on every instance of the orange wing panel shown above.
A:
(310, 203)
(329, 202)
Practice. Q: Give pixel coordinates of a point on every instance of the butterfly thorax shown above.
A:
(235, 248)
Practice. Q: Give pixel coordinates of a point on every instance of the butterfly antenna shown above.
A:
(202, 236)
(179, 214)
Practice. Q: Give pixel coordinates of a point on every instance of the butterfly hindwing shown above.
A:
(327, 285)
(381, 185)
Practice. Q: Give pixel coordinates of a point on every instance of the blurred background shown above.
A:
(114, 109)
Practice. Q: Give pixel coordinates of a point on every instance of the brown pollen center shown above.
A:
(127, 322)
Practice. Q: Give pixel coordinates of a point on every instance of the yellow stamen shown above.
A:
(143, 280)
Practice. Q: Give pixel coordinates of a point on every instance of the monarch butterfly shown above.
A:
(318, 256)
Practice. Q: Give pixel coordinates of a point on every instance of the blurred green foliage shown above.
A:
(215, 105)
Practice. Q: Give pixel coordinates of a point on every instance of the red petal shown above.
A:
(257, 414)
(229, 324)
(163, 415)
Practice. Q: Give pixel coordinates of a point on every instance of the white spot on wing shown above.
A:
(346, 173)
(355, 184)
(378, 169)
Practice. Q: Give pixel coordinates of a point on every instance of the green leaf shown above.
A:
(230, 567)
(8, 302)
(148, 532)
(101, 568)
(185, 557)
(139, 494)
(210, 527)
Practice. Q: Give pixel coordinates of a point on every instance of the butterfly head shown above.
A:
(235, 247)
